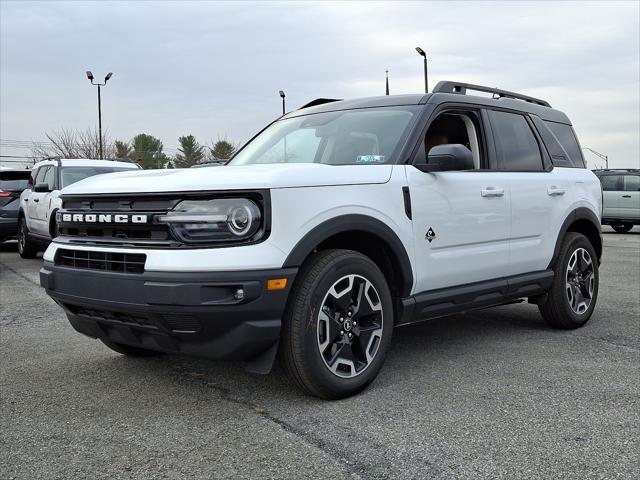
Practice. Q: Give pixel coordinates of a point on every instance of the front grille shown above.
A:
(177, 322)
(147, 234)
(104, 261)
(131, 318)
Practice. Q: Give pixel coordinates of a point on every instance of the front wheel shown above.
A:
(574, 291)
(622, 227)
(26, 247)
(338, 324)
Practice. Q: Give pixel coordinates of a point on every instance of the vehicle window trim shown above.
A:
(545, 160)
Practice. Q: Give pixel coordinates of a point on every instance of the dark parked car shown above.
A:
(12, 183)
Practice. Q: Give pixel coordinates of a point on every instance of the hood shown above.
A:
(241, 177)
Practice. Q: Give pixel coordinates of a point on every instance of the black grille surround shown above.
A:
(150, 234)
(105, 261)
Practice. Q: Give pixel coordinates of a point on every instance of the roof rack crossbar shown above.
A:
(461, 88)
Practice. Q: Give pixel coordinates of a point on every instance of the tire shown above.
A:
(334, 337)
(574, 291)
(622, 227)
(130, 351)
(26, 247)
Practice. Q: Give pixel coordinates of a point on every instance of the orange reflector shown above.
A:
(277, 284)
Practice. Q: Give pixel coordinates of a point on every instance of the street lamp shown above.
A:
(601, 155)
(423, 54)
(106, 79)
(282, 96)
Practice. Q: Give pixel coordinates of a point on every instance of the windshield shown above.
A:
(75, 174)
(349, 137)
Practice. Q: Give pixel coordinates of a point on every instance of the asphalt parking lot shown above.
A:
(490, 394)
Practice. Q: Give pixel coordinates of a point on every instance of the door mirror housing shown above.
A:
(42, 188)
(443, 158)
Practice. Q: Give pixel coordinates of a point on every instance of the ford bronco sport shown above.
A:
(332, 226)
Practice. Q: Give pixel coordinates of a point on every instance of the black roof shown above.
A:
(504, 99)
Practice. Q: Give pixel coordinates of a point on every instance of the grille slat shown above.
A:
(105, 261)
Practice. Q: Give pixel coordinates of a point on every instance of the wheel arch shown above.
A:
(52, 223)
(363, 234)
(581, 220)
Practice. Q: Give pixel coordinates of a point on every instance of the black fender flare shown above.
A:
(581, 213)
(357, 223)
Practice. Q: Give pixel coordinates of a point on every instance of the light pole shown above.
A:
(282, 96)
(106, 79)
(423, 54)
(601, 155)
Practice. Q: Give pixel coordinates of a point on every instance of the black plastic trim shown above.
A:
(406, 195)
(461, 298)
(581, 213)
(346, 223)
(138, 310)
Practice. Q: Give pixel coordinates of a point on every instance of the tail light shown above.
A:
(5, 194)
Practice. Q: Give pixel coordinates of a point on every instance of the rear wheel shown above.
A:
(338, 324)
(130, 351)
(26, 247)
(574, 290)
(622, 227)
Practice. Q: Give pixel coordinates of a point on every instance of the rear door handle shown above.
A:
(553, 190)
(626, 196)
(492, 192)
(36, 200)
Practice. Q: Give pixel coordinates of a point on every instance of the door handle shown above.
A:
(36, 200)
(626, 196)
(553, 190)
(492, 192)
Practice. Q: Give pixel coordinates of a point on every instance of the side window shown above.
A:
(611, 183)
(50, 177)
(632, 183)
(567, 138)
(455, 128)
(516, 145)
(40, 175)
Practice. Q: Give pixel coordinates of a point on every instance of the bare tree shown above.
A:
(67, 143)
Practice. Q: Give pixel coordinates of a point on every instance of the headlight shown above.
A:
(214, 221)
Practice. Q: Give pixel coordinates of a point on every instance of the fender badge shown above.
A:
(431, 235)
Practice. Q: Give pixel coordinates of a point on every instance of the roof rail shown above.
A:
(461, 88)
(319, 101)
(616, 170)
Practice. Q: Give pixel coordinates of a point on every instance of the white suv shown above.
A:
(335, 224)
(41, 199)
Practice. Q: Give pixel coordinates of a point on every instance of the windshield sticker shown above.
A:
(370, 159)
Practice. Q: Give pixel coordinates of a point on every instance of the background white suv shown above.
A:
(337, 223)
(41, 199)
(621, 198)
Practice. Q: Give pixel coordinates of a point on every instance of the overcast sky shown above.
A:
(214, 69)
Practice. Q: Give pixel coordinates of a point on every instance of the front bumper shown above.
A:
(189, 313)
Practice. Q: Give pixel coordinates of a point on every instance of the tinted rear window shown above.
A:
(567, 138)
(516, 144)
(611, 183)
(14, 181)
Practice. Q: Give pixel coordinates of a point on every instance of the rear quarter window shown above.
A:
(567, 138)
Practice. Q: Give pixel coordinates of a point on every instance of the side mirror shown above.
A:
(448, 157)
(42, 188)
